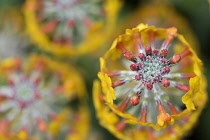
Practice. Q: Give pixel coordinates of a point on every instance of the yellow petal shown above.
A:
(188, 98)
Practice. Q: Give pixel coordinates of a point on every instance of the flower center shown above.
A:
(151, 66)
(24, 91)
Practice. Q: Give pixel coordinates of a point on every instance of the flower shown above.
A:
(70, 27)
(155, 81)
(35, 97)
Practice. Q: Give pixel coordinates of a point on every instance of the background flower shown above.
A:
(70, 27)
(34, 99)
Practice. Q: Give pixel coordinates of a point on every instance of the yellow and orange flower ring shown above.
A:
(42, 99)
(152, 83)
(72, 27)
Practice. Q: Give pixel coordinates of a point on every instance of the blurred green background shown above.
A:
(198, 15)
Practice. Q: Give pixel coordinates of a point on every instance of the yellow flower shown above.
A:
(35, 96)
(71, 27)
(151, 84)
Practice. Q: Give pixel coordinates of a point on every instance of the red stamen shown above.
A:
(175, 59)
(113, 74)
(128, 55)
(185, 53)
(163, 60)
(118, 83)
(37, 80)
(154, 80)
(160, 108)
(135, 100)
(59, 89)
(141, 56)
(148, 58)
(139, 65)
(138, 41)
(172, 109)
(164, 52)
(187, 62)
(149, 86)
(159, 73)
(148, 50)
(71, 23)
(188, 75)
(164, 119)
(123, 105)
(121, 47)
(17, 63)
(143, 114)
(166, 69)
(4, 126)
(144, 82)
(155, 51)
(165, 82)
(151, 38)
(171, 34)
(133, 67)
(120, 125)
(182, 87)
(137, 77)
(50, 26)
(41, 124)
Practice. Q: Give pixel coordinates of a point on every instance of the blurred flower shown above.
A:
(150, 80)
(12, 39)
(163, 15)
(34, 100)
(70, 27)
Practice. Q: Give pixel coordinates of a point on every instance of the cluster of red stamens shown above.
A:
(152, 66)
